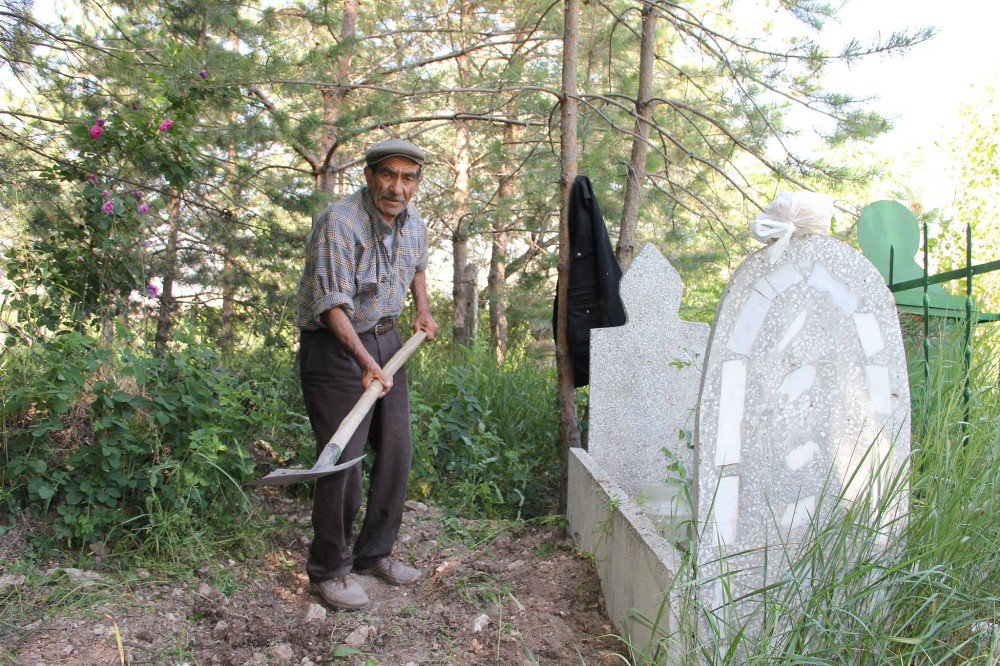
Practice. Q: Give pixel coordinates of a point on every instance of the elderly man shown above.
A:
(362, 254)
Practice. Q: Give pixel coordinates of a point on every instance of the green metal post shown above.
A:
(967, 393)
(927, 317)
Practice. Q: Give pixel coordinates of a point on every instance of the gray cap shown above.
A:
(393, 148)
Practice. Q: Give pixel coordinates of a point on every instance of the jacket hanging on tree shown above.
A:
(594, 275)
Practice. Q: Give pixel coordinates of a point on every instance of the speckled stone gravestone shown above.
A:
(644, 377)
(805, 375)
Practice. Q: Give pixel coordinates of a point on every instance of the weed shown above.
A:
(481, 588)
(545, 549)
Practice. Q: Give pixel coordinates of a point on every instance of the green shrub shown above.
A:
(109, 439)
(485, 435)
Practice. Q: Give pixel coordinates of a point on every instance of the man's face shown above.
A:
(392, 182)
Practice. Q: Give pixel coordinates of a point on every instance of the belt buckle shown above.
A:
(381, 328)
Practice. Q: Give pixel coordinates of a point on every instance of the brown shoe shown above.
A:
(342, 592)
(391, 570)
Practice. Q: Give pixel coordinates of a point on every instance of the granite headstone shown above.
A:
(804, 395)
(644, 378)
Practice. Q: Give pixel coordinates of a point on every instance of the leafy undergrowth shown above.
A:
(540, 599)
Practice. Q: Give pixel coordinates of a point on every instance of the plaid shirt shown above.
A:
(348, 266)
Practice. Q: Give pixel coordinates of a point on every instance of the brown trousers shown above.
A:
(331, 386)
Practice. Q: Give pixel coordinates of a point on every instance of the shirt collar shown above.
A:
(375, 215)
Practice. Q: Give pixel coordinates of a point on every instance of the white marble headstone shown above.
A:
(805, 375)
(644, 378)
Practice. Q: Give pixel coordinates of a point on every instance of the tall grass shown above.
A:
(931, 595)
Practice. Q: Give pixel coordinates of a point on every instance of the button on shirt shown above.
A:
(349, 264)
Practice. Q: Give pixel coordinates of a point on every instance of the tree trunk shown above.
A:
(464, 311)
(637, 164)
(228, 299)
(470, 298)
(569, 431)
(328, 178)
(164, 317)
(496, 286)
(227, 313)
(460, 235)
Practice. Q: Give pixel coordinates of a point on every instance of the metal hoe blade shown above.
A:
(285, 477)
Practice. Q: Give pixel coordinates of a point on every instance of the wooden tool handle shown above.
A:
(354, 418)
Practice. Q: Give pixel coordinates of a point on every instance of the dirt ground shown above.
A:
(505, 593)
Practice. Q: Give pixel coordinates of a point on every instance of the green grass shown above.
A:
(928, 597)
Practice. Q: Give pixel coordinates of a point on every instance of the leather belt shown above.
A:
(384, 325)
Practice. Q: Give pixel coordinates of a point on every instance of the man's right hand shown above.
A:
(372, 372)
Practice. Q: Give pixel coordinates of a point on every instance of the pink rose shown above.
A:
(135, 106)
(95, 132)
(143, 208)
(137, 194)
(152, 289)
(106, 194)
(166, 125)
(204, 74)
(92, 177)
(108, 206)
(100, 122)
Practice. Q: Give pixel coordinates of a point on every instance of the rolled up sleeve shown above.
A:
(333, 279)
(422, 262)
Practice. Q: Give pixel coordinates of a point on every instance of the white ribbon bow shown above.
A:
(792, 214)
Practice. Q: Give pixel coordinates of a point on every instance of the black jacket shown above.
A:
(593, 278)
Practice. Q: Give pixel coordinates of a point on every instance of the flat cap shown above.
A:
(393, 148)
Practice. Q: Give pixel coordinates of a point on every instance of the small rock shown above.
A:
(480, 623)
(98, 549)
(98, 630)
(68, 650)
(413, 505)
(85, 576)
(206, 590)
(514, 565)
(221, 629)
(304, 540)
(283, 653)
(515, 603)
(315, 612)
(171, 618)
(306, 661)
(477, 647)
(11, 580)
(142, 573)
(358, 637)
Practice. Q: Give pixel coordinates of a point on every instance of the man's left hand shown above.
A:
(425, 322)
